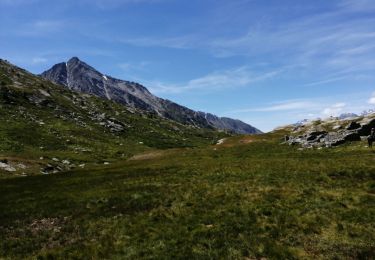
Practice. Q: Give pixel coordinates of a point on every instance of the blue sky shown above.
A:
(266, 62)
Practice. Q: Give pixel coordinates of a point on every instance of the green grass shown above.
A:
(43, 120)
(259, 199)
(168, 192)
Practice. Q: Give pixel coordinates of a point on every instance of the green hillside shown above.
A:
(247, 198)
(42, 121)
(250, 197)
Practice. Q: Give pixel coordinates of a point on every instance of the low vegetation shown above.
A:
(131, 185)
(44, 124)
(249, 197)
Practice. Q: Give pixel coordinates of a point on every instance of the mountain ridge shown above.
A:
(79, 76)
(47, 128)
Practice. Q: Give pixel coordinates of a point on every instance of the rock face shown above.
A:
(78, 76)
(355, 130)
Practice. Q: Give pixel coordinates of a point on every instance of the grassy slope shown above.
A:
(247, 198)
(40, 119)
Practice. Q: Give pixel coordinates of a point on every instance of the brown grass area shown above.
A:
(147, 156)
(238, 141)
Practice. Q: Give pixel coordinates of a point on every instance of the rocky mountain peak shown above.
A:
(79, 76)
(75, 65)
(74, 60)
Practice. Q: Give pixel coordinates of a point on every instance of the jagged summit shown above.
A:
(79, 76)
(74, 60)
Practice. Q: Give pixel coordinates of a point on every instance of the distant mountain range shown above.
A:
(79, 76)
(343, 116)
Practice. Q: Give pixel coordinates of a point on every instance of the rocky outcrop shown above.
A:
(79, 76)
(353, 131)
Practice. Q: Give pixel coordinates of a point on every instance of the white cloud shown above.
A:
(334, 110)
(372, 99)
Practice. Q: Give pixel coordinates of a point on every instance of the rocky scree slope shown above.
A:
(79, 76)
(330, 132)
(48, 128)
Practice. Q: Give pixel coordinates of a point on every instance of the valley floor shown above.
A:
(248, 197)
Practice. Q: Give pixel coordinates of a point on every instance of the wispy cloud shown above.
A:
(324, 40)
(232, 78)
(358, 5)
(372, 99)
(281, 106)
(41, 28)
(290, 111)
(38, 60)
(176, 42)
(310, 107)
(11, 3)
(320, 44)
(325, 81)
(334, 110)
(110, 4)
(134, 66)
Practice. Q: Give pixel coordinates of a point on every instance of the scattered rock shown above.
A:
(21, 166)
(7, 167)
(324, 139)
(315, 136)
(51, 169)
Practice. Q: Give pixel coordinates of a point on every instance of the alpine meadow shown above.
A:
(170, 129)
